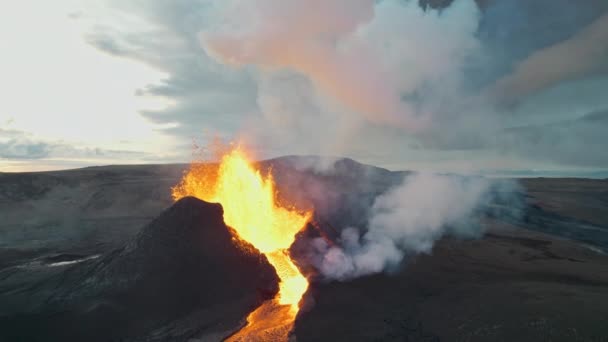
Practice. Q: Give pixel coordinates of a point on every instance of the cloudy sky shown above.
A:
(492, 85)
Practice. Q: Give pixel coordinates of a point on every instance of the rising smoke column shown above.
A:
(368, 59)
(407, 219)
(344, 64)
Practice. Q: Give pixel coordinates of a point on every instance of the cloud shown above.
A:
(205, 96)
(14, 149)
(19, 145)
(579, 56)
(562, 142)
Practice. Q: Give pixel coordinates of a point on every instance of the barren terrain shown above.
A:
(537, 274)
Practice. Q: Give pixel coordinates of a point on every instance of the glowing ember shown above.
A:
(251, 209)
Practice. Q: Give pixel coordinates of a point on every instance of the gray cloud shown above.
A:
(15, 149)
(580, 141)
(18, 145)
(511, 30)
(207, 97)
(579, 56)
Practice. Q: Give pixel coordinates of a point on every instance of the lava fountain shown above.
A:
(252, 210)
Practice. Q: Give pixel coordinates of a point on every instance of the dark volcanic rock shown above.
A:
(342, 194)
(183, 276)
(174, 281)
(511, 285)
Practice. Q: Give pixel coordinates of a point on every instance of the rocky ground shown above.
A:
(182, 275)
(512, 285)
(69, 241)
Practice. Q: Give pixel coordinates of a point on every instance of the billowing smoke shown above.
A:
(318, 39)
(341, 68)
(405, 220)
(338, 75)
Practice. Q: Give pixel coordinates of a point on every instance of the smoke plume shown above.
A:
(349, 70)
(405, 220)
(337, 67)
(350, 62)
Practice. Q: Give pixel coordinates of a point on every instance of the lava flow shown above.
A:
(251, 209)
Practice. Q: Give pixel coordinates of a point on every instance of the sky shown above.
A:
(470, 86)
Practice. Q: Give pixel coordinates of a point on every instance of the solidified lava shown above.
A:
(183, 276)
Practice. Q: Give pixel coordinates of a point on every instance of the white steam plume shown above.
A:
(407, 219)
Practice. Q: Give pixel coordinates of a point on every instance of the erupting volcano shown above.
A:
(252, 210)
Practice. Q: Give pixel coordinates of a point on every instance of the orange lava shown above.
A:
(251, 209)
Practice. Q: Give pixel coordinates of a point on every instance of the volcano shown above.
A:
(184, 275)
(538, 273)
(257, 216)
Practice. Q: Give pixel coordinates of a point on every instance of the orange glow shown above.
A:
(251, 209)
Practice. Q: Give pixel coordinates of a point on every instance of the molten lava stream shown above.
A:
(250, 208)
